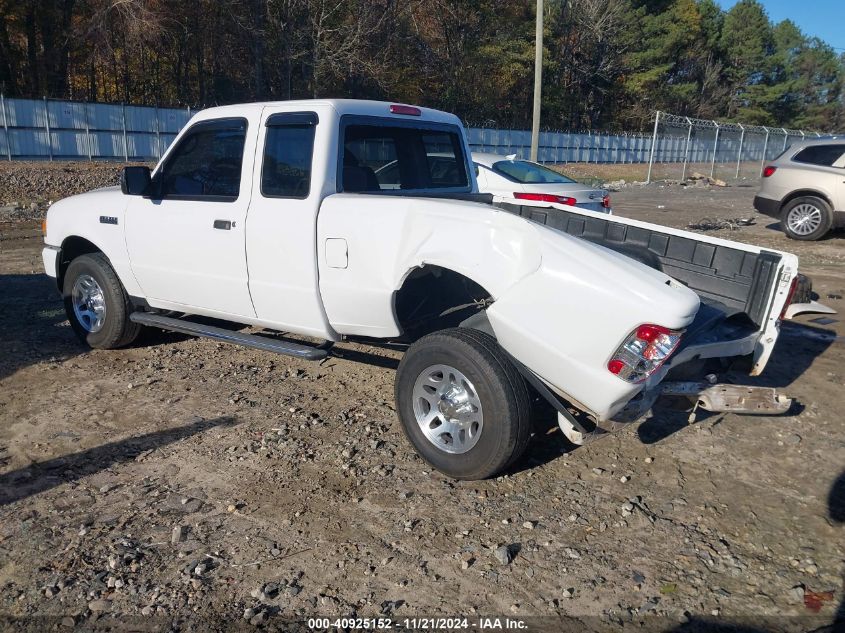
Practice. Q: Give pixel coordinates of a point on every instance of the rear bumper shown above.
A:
(767, 206)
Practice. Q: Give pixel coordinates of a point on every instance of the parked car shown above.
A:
(271, 215)
(804, 187)
(510, 177)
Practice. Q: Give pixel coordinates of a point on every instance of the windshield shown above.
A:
(525, 172)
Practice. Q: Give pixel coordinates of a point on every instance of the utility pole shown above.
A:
(538, 81)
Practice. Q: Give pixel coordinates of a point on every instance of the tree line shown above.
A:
(608, 64)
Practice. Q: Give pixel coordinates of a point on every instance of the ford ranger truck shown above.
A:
(270, 215)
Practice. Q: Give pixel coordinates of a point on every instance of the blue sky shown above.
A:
(824, 19)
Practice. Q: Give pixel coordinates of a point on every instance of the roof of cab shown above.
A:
(341, 106)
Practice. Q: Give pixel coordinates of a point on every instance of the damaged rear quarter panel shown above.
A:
(389, 236)
(566, 319)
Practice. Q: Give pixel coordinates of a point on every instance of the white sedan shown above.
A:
(510, 177)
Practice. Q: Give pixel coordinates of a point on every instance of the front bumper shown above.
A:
(767, 206)
(50, 257)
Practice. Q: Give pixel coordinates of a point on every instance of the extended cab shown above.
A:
(271, 215)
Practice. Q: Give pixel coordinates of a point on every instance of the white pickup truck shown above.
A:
(270, 215)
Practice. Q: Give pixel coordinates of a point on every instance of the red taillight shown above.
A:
(769, 170)
(643, 352)
(405, 109)
(543, 197)
(605, 201)
(789, 296)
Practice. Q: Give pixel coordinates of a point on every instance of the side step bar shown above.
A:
(227, 336)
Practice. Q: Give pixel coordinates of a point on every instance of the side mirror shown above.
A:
(135, 181)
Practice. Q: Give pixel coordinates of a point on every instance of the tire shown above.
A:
(96, 304)
(484, 395)
(806, 218)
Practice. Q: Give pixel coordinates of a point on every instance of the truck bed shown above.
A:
(735, 284)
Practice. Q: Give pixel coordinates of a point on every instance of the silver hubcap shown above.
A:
(447, 408)
(804, 218)
(89, 303)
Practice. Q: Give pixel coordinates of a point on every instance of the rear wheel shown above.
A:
(462, 403)
(96, 304)
(806, 218)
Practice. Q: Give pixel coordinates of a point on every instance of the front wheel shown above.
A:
(462, 403)
(96, 303)
(806, 218)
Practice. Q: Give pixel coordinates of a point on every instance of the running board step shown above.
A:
(227, 336)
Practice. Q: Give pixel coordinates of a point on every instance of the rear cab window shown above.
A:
(388, 156)
(823, 155)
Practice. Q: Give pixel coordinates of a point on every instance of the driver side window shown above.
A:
(206, 165)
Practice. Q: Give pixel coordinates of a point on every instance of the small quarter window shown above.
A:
(824, 155)
(288, 152)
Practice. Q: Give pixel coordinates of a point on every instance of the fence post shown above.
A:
(653, 143)
(125, 144)
(6, 127)
(739, 156)
(87, 132)
(715, 147)
(158, 133)
(686, 150)
(765, 147)
(47, 127)
(785, 138)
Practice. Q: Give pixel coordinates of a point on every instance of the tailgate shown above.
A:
(742, 288)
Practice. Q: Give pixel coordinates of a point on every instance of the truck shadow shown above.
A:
(797, 348)
(836, 513)
(41, 476)
(33, 326)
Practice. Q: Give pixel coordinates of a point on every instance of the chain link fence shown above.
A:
(677, 148)
(724, 151)
(562, 147)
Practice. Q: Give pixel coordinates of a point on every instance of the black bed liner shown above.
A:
(733, 281)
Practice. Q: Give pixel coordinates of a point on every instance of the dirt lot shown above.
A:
(183, 484)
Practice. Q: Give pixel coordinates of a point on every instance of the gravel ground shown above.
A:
(188, 485)
(27, 189)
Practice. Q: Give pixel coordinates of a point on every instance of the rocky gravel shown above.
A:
(28, 188)
(192, 485)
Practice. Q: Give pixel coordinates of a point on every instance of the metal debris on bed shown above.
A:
(717, 224)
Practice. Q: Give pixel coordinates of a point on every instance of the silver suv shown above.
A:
(804, 188)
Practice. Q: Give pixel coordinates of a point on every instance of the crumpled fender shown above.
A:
(565, 320)
(389, 237)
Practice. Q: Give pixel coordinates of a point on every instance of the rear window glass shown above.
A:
(525, 172)
(824, 155)
(384, 158)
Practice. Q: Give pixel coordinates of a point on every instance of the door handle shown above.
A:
(223, 225)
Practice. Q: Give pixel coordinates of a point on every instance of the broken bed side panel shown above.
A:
(736, 281)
